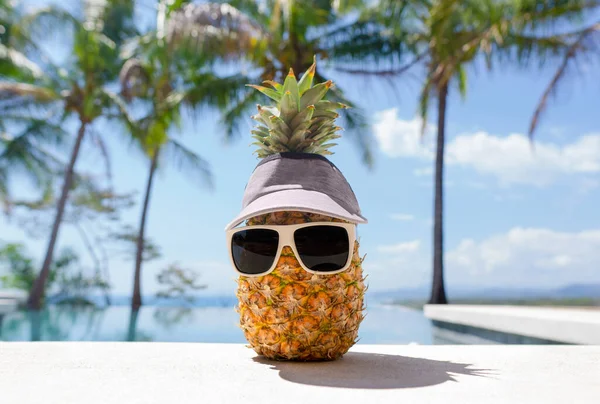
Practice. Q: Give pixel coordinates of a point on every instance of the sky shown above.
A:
(514, 216)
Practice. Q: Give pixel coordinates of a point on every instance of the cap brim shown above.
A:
(295, 199)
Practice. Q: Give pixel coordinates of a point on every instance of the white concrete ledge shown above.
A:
(567, 325)
(136, 373)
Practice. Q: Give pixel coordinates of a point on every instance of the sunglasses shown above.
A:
(320, 247)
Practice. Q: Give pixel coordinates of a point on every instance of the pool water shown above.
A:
(384, 324)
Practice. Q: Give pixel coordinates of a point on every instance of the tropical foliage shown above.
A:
(66, 277)
(444, 39)
(156, 62)
(294, 33)
(195, 57)
(74, 92)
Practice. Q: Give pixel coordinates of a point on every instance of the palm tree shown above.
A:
(444, 38)
(171, 70)
(584, 41)
(292, 33)
(189, 38)
(23, 151)
(75, 90)
(24, 136)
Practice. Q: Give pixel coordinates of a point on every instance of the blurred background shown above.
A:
(125, 150)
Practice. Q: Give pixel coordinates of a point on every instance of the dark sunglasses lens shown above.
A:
(323, 248)
(254, 250)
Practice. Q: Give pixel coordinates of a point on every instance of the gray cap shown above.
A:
(303, 182)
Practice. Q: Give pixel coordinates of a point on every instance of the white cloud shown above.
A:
(402, 265)
(409, 246)
(398, 138)
(403, 217)
(527, 257)
(510, 159)
(520, 258)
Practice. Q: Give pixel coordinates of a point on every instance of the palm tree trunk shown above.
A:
(438, 293)
(35, 322)
(136, 299)
(36, 294)
(132, 328)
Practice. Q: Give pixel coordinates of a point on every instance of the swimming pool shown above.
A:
(384, 324)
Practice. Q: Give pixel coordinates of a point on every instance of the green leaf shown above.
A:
(462, 81)
(278, 87)
(276, 137)
(326, 105)
(279, 125)
(299, 134)
(424, 105)
(305, 115)
(272, 110)
(274, 95)
(289, 107)
(323, 136)
(307, 79)
(316, 124)
(326, 114)
(261, 145)
(291, 85)
(264, 115)
(315, 94)
(260, 131)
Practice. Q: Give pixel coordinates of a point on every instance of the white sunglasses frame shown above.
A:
(286, 238)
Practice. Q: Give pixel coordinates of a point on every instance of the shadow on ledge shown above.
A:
(360, 370)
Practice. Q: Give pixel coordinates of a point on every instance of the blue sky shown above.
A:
(513, 218)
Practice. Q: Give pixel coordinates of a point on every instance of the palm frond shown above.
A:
(522, 49)
(238, 113)
(16, 37)
(4, 191)
(251, 8)
(366, 41)
(461, 78)
(213, 28)
(21, 155)
(134, 79)
(392, 72)
(424, 104)
(212, 90)
(139, 45)
(117, 111)
(46, 19)
(10, 90)
(101, 145)
(113, 18)
(188, 162)
(575, 50)
(28, 106)
(355, 123)
(535, 14)
(16, 65)
(39, 130)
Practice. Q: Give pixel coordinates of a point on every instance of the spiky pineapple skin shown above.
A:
(291, 314)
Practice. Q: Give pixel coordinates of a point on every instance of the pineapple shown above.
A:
(291, 314)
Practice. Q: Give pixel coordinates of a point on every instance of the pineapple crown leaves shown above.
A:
(300, 121)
